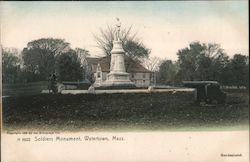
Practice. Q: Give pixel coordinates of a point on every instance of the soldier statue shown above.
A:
(117, 33)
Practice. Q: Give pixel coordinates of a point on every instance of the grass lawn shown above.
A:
(124, 112)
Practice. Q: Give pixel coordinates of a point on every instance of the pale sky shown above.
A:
(163, 26)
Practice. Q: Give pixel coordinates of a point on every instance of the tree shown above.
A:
(152, 63)
(187, 59)
(226, 75)
(40, 56)
(201, 61)
(10, 66)
(167, 72)
(133, 48)
(69, 66)
(240, 69)
(136, 50)
(82, 54)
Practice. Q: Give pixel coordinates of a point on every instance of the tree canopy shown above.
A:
(133, 47)
(198, 61)
(40, 55)
(167, 72)
(69, 66)
(45, 56)
(240, 69)
(201, 61)
(10, 66)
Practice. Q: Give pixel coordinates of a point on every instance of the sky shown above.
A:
(162, 26)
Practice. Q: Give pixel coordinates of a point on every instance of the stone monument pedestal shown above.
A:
(117, 77)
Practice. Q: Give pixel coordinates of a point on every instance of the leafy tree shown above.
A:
(69, 66)
(82, 54)
(226, 75)
(167, 72)
(40, 56)
(201, 61)
(240, 69)
(10, 66)
(210, 62)
(187, 59)
(220, 67)
(134, 48)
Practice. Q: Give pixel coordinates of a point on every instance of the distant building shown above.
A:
(100, 67)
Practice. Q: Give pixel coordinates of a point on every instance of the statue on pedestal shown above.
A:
(117, 32)
(117, 77)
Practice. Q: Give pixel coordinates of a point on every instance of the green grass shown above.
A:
(124, 112)
(24, 89)
(131, 127)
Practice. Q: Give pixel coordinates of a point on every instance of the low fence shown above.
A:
(170, 90)
(235, 89)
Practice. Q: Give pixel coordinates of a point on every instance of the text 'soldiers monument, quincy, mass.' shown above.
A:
(117, 75)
